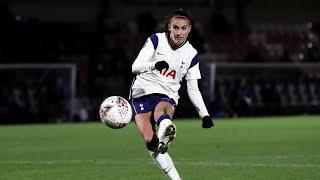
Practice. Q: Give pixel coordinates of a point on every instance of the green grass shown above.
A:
(243, 149)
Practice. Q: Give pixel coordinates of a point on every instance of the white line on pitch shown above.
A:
(144, 162)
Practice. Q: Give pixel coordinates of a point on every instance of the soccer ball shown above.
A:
(115, 112)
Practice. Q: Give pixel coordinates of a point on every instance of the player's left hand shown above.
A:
(207, 122)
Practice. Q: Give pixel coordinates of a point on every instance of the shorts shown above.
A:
(149, 102)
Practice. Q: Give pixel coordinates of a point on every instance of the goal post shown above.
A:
(252, 89)
(35, 91)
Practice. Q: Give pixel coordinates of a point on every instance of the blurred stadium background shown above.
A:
(260, 63)
(258, 58)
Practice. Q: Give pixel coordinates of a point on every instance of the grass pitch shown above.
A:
(286, 148)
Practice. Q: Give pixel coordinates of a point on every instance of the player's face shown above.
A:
(179, 30)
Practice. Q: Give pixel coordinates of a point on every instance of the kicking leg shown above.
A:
(147, 130)
(167, 130)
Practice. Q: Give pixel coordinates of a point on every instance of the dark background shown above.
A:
(103, 38)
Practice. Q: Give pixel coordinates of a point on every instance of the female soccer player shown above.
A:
(165, 59)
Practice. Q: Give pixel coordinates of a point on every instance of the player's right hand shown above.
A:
(161, 65)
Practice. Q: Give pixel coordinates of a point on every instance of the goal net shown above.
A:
(236, 89)
(34, 93)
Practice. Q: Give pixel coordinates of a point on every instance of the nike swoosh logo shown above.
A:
(159, 53)
(166, 171)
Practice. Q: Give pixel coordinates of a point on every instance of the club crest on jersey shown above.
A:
(182, 63)
(168, 73)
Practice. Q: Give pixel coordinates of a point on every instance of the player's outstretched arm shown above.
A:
(197, 101)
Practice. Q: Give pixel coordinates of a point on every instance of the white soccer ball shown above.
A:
(115, 112)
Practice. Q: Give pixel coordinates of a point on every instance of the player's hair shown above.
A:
(181, 13)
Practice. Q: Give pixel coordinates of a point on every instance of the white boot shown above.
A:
(166, 133)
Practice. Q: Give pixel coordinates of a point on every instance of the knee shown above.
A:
(164, 107)
(160, 115)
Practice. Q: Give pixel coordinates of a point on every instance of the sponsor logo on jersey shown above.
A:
(169, 73)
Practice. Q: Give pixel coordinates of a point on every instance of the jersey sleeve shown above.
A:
(196, 98)
(194, 71)
(144, 62)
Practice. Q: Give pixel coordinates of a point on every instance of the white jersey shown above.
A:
(183, 62)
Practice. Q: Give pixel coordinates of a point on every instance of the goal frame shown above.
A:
(73, 71)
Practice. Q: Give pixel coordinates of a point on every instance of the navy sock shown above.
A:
(162, 117)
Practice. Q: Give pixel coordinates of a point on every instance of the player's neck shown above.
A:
(173, 46)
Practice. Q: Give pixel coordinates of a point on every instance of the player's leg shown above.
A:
(147, 130)
(164, 161)
(142, 109)
(167, 130)
(146, 126)
(166, 133)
